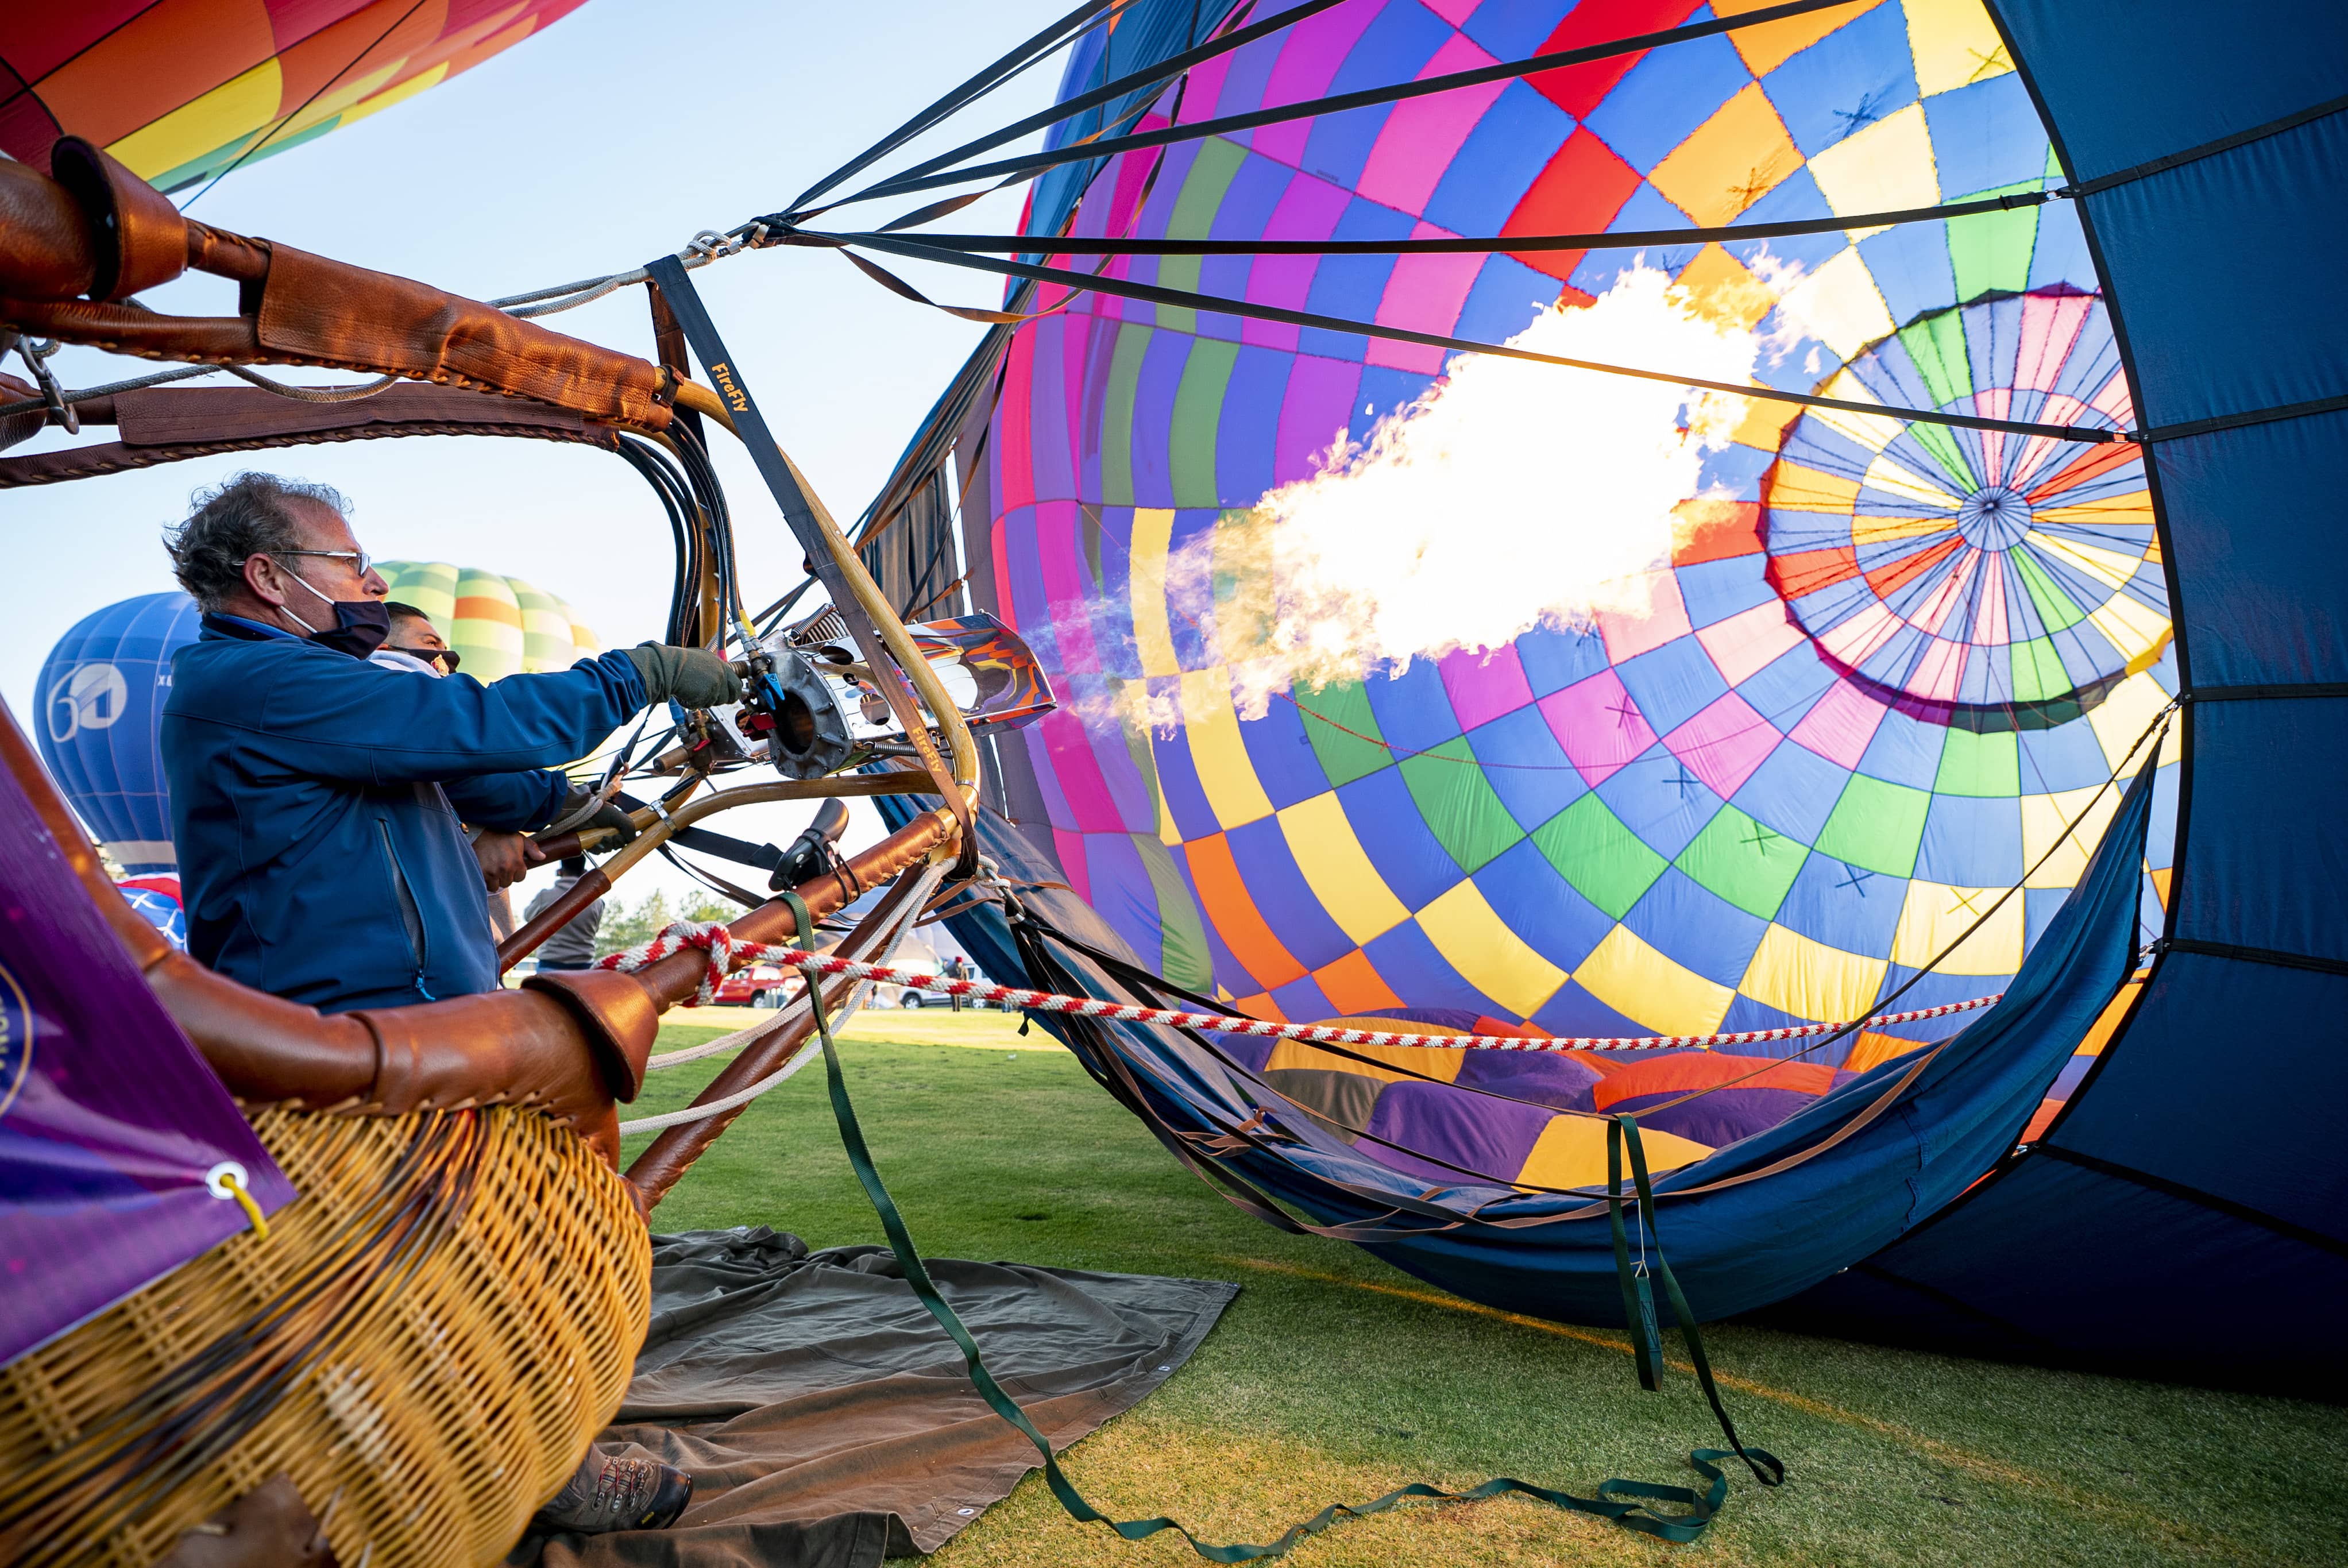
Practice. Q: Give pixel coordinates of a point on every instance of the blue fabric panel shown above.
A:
(1845, 82)
(1673, 684)
(1395, 837)
(1248, 427)
(1526, 767)
(2265, 603)
(1716, 590)
(1505, 297)
(1282, 896)
(1541, 907)
(1646, 208)
(1985, 136)
(2168, 1103)
(1792, 792)
(1971, 842)
(1413, 708)
(1352, 286)
(1285, 763)
(1554, 661)
(1680, 914)
(1659, 798)
(1501, 158)
(1665, 95)
(2166, 237)
(2126, 81)
(2264, 863)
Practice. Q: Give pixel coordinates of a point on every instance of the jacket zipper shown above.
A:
(411, 917)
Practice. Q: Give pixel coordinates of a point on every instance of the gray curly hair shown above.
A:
(248, 516)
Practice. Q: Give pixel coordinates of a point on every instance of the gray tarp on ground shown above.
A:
(827, 1420)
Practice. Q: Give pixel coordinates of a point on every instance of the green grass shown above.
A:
(1335, 1378)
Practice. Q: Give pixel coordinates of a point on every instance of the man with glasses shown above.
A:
(316, 798)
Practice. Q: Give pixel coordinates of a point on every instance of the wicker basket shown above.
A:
(425, 1343)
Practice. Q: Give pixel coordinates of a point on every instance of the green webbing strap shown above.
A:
(1624, 1501)
(1765, 1466)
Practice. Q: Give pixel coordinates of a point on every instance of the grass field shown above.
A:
(1335, 1378)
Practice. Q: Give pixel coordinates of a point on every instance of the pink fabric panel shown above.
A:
(1318, 408)
(1841, 725)
(1627, 637)
(2050, 326)
(1423, 294)
(1316, 47)
(1597, 725)
(1308, 210)
(1070, 848)
(1484, 686)
(1724, 743)
(1749, 641)
(1423, 135)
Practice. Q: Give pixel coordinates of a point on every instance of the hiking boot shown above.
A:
(608, 1492)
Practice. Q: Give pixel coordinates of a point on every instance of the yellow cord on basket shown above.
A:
(246, 1201)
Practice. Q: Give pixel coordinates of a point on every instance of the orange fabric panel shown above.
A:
(1354, 984)
(1889, 580)
(167, 57)
(344, 53)
(1718, 530)
(2086, 466)
(1704, 1069)
(1874, 1049)
(1224, 895)
(1579, 193)
(1260, 1006)
(1807, 571)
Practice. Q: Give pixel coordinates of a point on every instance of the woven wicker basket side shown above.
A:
(425, 1343)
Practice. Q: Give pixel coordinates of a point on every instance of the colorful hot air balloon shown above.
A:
(500, 625)
(102, 691)
(181, 91)
(1878, 668)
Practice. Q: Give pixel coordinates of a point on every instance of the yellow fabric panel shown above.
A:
(1153, 635)
(1226, 772)
(1955, 45)
(405, 90)
(1936, 914)
(1426, 1060)
(1640, 983)
(1885, 168)
(1799, 489)
(1840, 304)
(1571, 1152)
(235, 108)
(2136, 629)
(1473, 940)
(1872, 431)
(1337, 870)
(2044, 818)
(1724, 290)
(1798, 975)
(1768, 44)
(1866, 530)
(2122, 716)
(1888, 474)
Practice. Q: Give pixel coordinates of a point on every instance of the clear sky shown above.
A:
(613, 137)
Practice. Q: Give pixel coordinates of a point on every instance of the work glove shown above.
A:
(694, 677)
(610, 814)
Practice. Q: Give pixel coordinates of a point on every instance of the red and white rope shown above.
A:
(726, 950)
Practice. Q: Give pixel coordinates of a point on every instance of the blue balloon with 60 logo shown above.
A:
(102, 691)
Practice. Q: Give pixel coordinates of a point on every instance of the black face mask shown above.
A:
(360, 626)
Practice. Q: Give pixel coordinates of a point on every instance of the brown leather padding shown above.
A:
(503, 1048)
(170, 424)
(140, 237)
(618, 1015)
(331, 313)
(45, 249)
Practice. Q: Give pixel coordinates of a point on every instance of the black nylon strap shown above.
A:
(2275, 956)
(1445, 245)
(2144, 170)
(1191, 299)
(2226, 1206)
(1337, 103)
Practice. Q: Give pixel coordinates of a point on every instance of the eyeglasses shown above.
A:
(357, 558)
(445, 657)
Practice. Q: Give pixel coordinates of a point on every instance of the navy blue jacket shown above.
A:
(315, 804)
